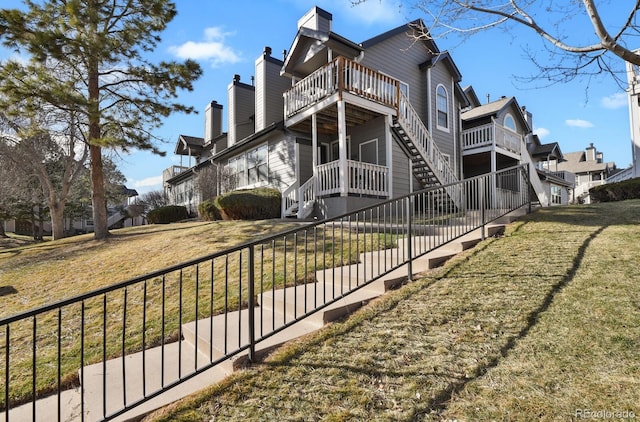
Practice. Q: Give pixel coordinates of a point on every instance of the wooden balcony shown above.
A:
(341, 78)
(491, 135)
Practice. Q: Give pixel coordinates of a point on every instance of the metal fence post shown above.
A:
(409, 241)
(528, 190)
(482, 208)
(251, 305)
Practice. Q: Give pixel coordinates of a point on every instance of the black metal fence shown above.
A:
(98, 355)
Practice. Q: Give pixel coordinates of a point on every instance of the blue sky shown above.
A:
(226, 37)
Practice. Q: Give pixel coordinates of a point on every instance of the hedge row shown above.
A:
(610, 192)
(168, 214)
(251, 204)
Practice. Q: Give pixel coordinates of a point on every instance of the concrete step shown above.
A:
(300, 300)
(225, 336)
(176, 360)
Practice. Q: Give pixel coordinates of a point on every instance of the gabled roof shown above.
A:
(551, 150)
(189, 145)
(577, 163)
(446, 58)
(416, 25)
(252, 139)
(489, 109)
(309, 51)
(472, 97)
(494, 108)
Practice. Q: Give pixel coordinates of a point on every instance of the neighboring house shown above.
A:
(498, 135)
(339, 125)
(589, 168)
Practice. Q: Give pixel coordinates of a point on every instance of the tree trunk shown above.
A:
(98, 199)
(2, 232)
(57, 220)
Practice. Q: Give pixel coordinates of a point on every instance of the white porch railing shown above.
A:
(368, 179)
(307, 191)
(289, 199)
(410, 121)
(340, 75)
(328, 178)
(492, 134)
(362, 179)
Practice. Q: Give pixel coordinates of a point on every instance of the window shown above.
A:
(404, 88)
(257, 165)
(250, 168)
(509, 122)
(442, 107)
(237, 169)
(556, 195)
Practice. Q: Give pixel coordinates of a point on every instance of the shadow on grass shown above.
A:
(441, 400)
(453, 382)
(7, 290)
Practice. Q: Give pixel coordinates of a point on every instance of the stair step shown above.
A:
(299, 300)
(440, 260)
(226, 337)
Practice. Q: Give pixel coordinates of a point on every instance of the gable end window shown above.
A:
(509, 122)
(442, 107)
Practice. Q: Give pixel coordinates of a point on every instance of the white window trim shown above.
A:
(504, 123)
(443, 128)
(244, 157)
(375, 141)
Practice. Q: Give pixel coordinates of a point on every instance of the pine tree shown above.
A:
(91, 58)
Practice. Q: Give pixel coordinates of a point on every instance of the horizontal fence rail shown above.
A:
(130, 339)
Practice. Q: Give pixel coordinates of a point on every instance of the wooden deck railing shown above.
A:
(491, 134)
(362, 179)
(341, 75)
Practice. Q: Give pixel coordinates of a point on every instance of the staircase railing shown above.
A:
(126, 344)
(289, 198)
(410, 121)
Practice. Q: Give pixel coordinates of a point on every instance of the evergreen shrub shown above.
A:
(168, 214)
(620, 191)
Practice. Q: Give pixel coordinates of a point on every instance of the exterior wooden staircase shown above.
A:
(427, 162)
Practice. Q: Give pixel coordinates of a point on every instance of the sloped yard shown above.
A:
(541, 324)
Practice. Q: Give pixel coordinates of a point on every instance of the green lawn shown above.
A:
(541, 324)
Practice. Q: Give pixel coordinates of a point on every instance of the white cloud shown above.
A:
(615, 101)
(376, 11)
(147, 184)
(578, 123)
(542, 132)
(371, 12)
(212, 48)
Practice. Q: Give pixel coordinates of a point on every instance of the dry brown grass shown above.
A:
(533, 326)
(42, 273)
(45, 272)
